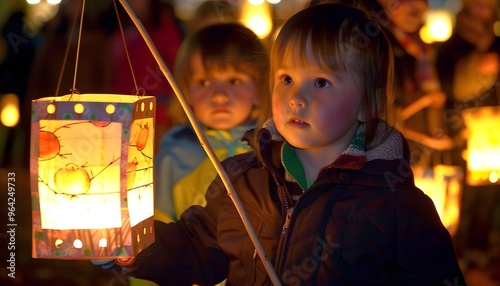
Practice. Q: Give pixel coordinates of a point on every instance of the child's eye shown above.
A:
(235, 81)
(322, 83)
(203, 82)
(286, 79)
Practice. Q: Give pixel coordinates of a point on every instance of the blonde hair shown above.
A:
(338, 37)
(223, 46)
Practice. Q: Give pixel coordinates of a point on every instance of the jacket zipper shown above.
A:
(287, 222)
(282, 242)
(288, 213)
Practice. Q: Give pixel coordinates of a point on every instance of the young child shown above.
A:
(328, 188)
(222, 70)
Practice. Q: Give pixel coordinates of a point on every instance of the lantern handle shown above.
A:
(204, 143)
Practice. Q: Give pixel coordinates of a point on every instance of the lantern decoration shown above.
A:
(483, 145)
(443, 184)
(91, 172)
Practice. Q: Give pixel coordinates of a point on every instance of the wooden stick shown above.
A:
(204, 143)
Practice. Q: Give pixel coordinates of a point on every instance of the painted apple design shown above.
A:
(72, 180)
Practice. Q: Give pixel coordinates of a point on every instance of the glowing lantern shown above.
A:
(443, 184)
(92, 175)
(256, 15)
(9, 109)
(483, 145)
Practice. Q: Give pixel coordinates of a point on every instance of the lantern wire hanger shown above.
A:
(73, 90)
(204, 142)
(73, 25)
(138, 92)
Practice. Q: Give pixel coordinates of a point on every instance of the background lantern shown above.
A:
(483, 145)
(92, 175)
(443, 184)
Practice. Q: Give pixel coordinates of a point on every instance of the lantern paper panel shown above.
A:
(483, 145)
(91, 172)
(443, 184)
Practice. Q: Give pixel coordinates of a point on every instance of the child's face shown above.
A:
(483, 10)
(407, 15)
(314, 108)
(221, 99)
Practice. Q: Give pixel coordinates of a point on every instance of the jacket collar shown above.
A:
(388, 149)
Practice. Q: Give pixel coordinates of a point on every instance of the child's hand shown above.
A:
(435, 99)
(123, 262)
(488, 64)
(104, 263)
(441, 143)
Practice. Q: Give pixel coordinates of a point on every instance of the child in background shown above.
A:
(418, 95)
(328, 188)
(222, 70)
(468, 65)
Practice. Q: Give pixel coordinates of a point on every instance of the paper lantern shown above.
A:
(483, 145)
(91, 171)
(443, 184)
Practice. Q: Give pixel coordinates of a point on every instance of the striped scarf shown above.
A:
(425, 74)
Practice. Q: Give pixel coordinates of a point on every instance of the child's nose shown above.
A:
(220, 95)
(297, 98)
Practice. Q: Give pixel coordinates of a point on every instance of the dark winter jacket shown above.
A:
(354, 226)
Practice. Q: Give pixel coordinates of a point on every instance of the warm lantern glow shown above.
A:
(91, 175)
(483, 145)
(257, 17)
(443, 184)
(9, 109)
(438, 26)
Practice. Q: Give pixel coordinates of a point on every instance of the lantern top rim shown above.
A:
(95, 97)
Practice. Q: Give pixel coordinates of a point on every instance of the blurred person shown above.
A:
(468, 67)
(418, 95)
(222, 70)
